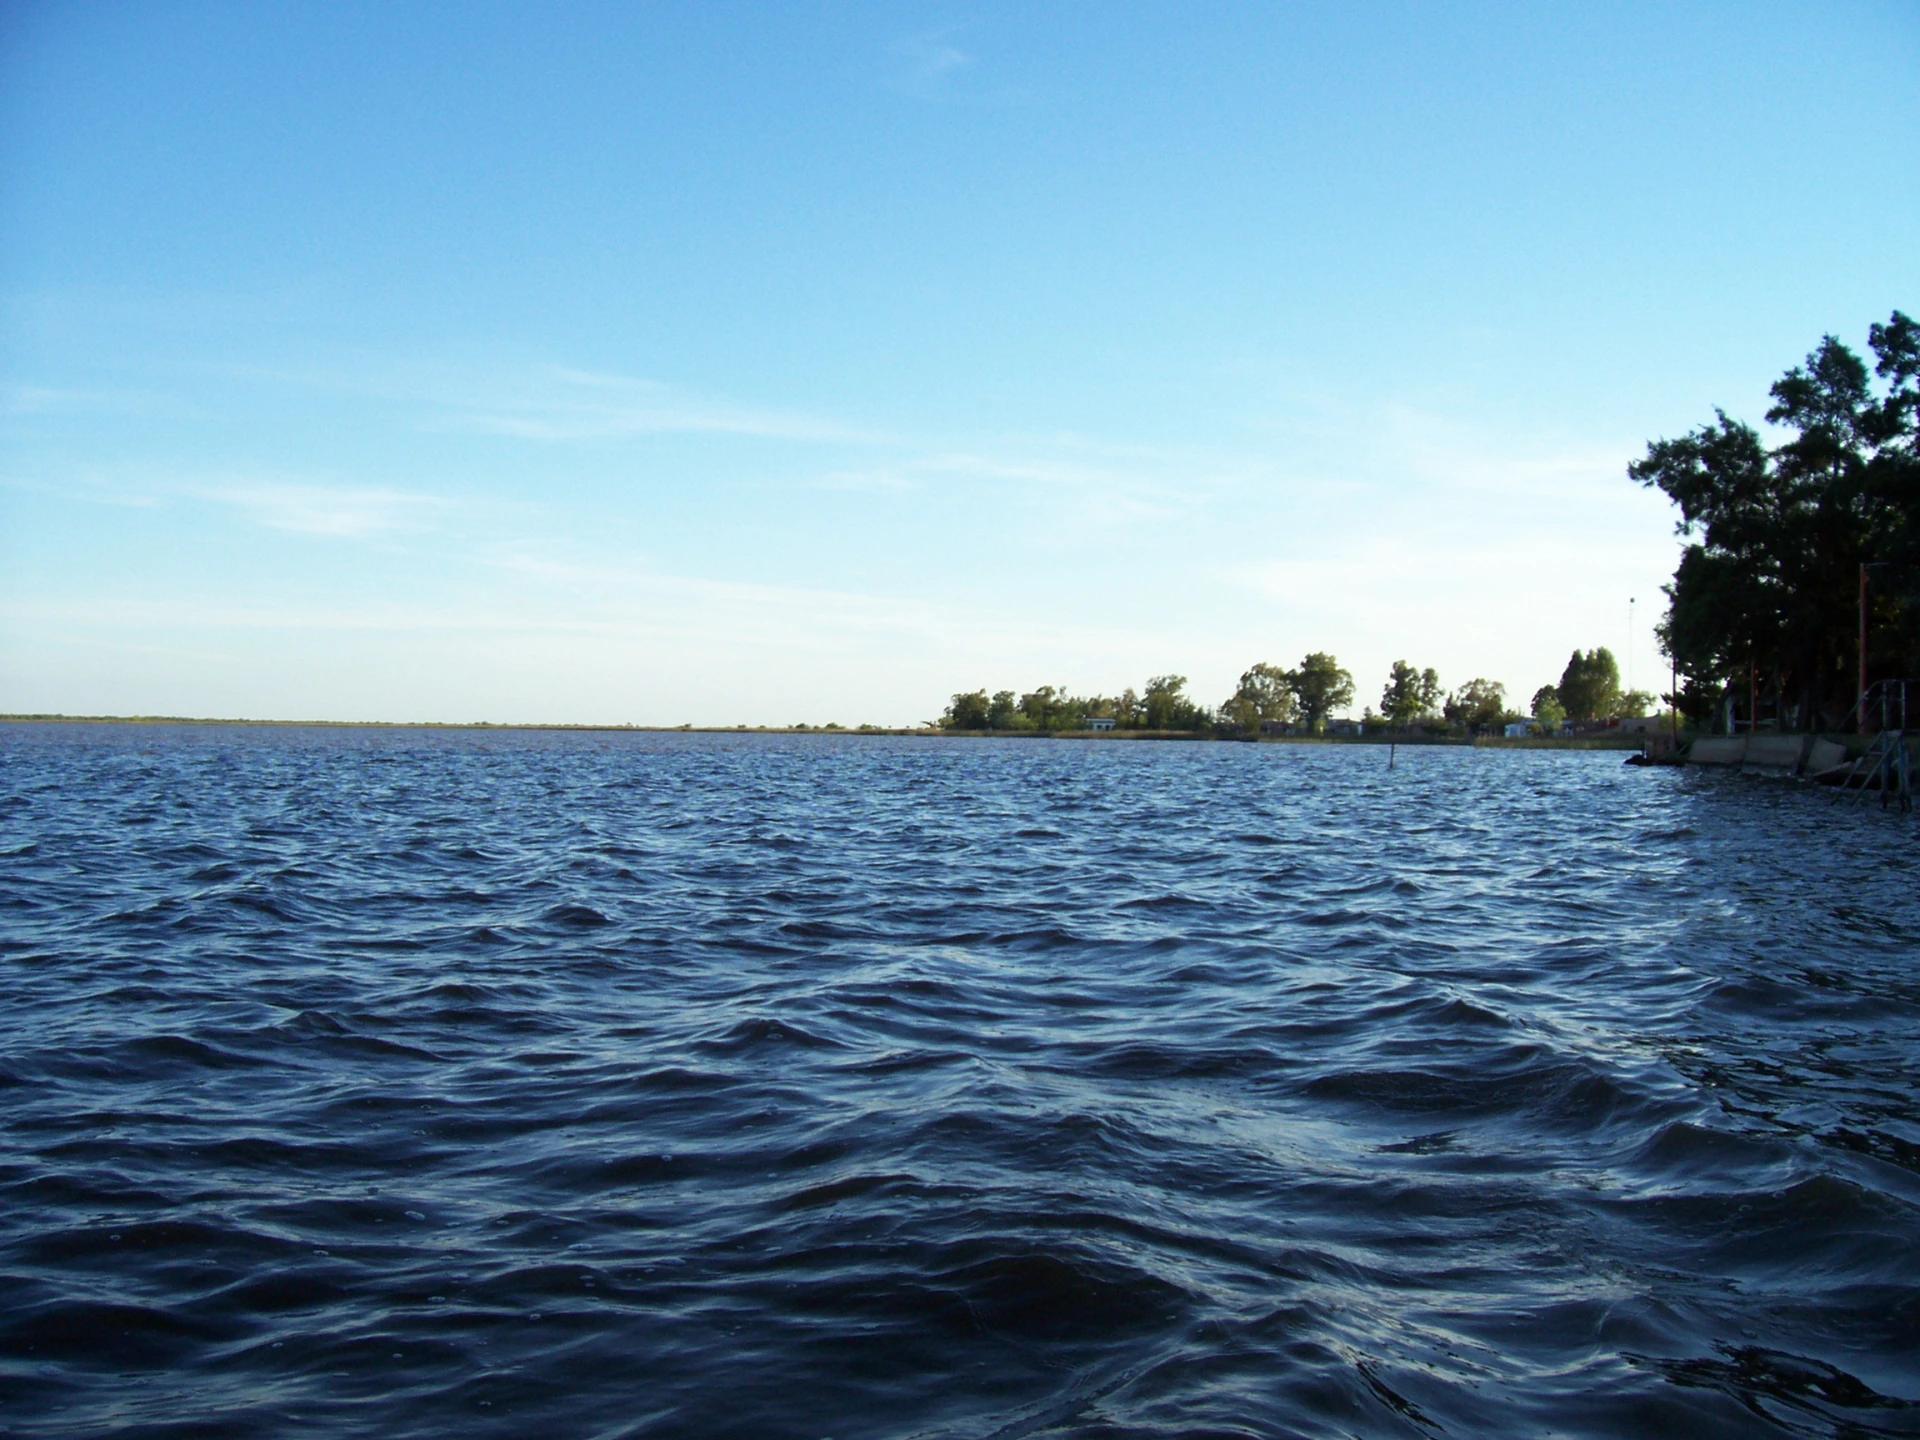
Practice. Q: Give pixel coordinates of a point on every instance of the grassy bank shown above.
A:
(1561, 742)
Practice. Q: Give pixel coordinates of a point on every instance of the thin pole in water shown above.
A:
(1390, 745)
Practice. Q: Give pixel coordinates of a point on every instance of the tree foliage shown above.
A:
(968, 712)
(1263, 697)
(1166, 707)
(1319, 688)
(1410, 694)
(1476, 705)
(1546, 707)
(1589, 687)
(1765, 596)
(1051, 708)
(1267, 696)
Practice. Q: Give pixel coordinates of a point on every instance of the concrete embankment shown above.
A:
(1786, 754)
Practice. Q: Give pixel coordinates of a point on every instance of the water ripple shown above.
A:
(414, 1083)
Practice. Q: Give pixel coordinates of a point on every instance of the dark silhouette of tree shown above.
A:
(1589, 687)
(1765, 597)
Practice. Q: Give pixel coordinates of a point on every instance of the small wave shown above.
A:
(1169, 901)
(822, 930)
(767, 1031)
(1034, 1296)
(789, 1088)
(847, 1187)
(1683, 1148)
(1750, 1373)
(576, 916)
(181, 1050)
(105, 1333)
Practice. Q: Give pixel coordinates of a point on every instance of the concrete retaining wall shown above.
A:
(1796, 754)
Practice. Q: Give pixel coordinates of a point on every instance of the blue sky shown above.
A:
(753, 364)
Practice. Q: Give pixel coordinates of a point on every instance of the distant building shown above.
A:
(1099, 722)
(1517, 729)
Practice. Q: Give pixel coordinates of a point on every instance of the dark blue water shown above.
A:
(415, 1084)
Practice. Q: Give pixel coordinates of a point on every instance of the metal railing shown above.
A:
(1885, 765)
(1883, 706)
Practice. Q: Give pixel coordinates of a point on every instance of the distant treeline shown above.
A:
(1766, 604)
(1303, 699)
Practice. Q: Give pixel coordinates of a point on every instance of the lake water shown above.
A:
(413, 1083)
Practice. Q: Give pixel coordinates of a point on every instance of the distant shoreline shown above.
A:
(1489, 742)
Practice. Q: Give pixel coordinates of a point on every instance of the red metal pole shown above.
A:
(1862, 701)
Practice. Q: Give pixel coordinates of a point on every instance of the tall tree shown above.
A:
(1052, 708)
(1410, 693)
(1546, 707)
(1261, 697)
(1476, 704)
(1319, 687)
(1590, 686)
(967, 712)
(1893, 493)
(1166, 706)
(1765, 597)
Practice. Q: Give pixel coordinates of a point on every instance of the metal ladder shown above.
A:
(1885, 765)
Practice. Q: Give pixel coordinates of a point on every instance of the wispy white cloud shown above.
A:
(348, 512)
(578, 405)
(24, 400)
(553, 402)
(1442, 451)
(570, 405)
(552, 596)
(1102, 485)
(924, 65)
(38, 399)
(879, 481)
(91, 488)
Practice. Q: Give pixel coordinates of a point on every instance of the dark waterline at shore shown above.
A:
(591, 1083)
